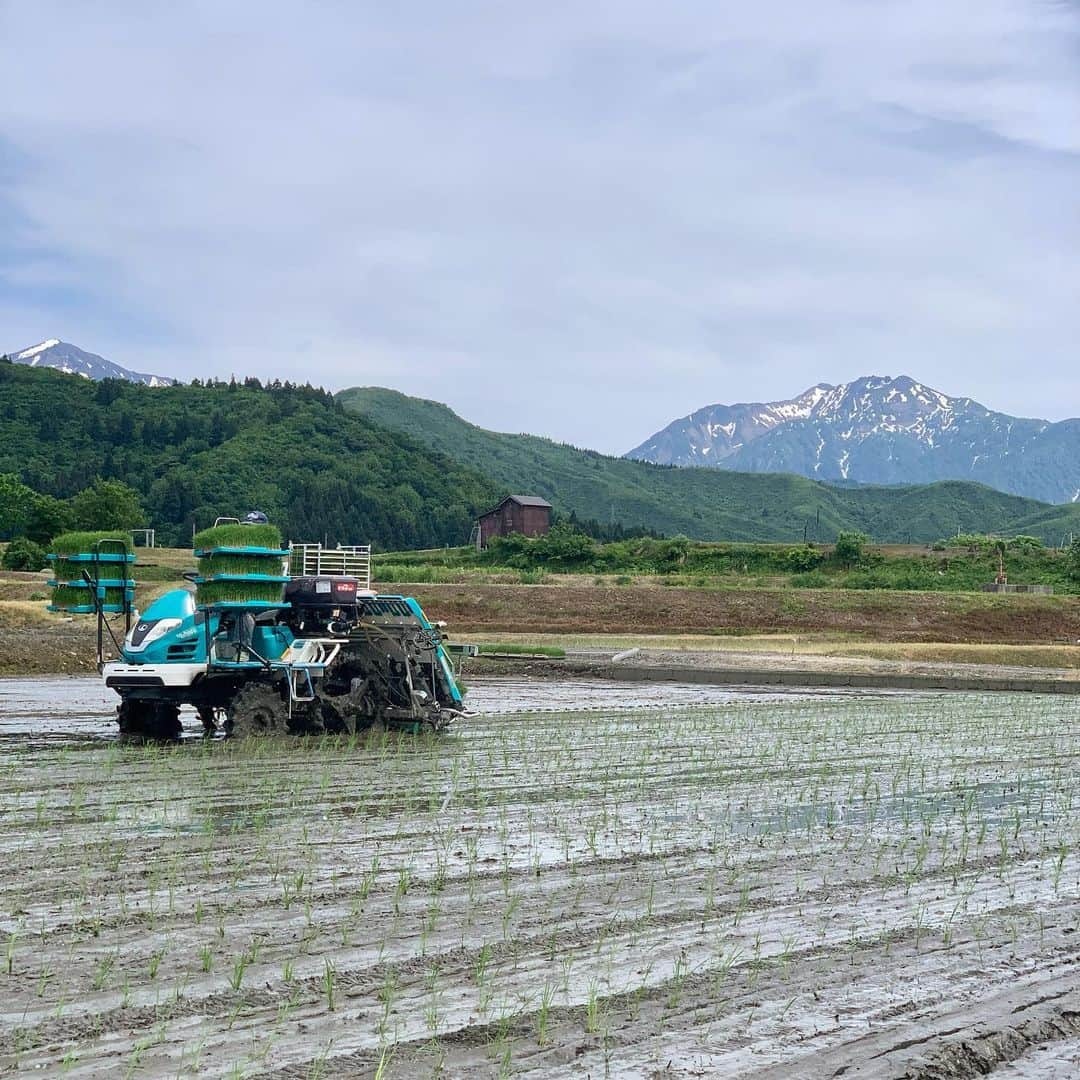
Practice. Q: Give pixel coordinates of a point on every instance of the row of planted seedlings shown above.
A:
(500, 865)
(780, 825)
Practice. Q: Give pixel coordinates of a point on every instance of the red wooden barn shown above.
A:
(525, 514)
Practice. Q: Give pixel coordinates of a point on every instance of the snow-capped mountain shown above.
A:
(74, 361)
(879, 430)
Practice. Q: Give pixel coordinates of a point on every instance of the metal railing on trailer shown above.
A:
(314, 559)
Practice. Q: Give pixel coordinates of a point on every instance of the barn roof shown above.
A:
(528, 500)
(521, 500)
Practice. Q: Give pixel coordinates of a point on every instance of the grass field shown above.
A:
(775, 887)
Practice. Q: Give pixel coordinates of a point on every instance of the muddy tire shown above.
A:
(257, 710)
(149, 719)
(335, 714)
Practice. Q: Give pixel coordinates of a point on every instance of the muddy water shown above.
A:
(56, 708)
(80, 707)
(704, 882)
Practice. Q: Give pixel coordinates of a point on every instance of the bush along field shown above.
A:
(956, 564)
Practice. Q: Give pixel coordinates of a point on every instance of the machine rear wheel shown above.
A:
(257, 709)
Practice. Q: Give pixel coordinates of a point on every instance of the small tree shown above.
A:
(15, 502)
(48, 517)
(107, 504)
(23, 554)
(849, 547)
(1073, 556)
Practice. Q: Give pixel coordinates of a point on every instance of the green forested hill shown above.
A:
(376, 465)
(196, 452)
(708, 504)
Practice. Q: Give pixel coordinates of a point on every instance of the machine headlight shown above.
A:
(145, 633)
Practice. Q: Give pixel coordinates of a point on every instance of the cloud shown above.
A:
(580, 220)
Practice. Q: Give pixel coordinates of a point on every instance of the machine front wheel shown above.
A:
(149, 719)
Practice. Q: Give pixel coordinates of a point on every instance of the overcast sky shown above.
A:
(576, 219)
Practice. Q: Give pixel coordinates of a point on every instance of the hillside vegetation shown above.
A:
(375, 465)
(195, 452)
(682, 562)
(708, 504)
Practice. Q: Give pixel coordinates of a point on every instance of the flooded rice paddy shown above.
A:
(586, 879)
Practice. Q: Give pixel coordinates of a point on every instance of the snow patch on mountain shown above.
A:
(70, 359)
(33, 354)
(878, 429)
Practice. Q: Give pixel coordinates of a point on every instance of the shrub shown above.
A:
(563, 548)
(23, 554)
(1074, 560)
(849, 548)
(1025, 544)
(814, 579)
(803, 558)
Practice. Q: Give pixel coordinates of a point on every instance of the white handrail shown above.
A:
(314, 559)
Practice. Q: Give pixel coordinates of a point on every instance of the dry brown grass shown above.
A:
(172, 558)
(15, 614)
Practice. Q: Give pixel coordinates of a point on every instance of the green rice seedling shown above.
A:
(329, 975)
(385, 1057)
(236, 978)
(222, 592)
(66, 596)
(592, 1009)
(387, 995)
(77, 543)
(101, 974)
(480, 966)
(225, 562)
(547, 997)
(266, 536)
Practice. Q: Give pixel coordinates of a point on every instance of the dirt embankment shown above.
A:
(48, 649)
(874, 616)
(32, 644)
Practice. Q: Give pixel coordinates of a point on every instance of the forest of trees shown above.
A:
(193, 453)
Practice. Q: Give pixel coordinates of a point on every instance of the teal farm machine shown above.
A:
(270, 640)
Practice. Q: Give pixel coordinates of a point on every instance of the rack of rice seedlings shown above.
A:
(105, 557)
(240, 566)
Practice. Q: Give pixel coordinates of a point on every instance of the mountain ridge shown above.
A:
(878, 430)
(70, 359)
(708, 504)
